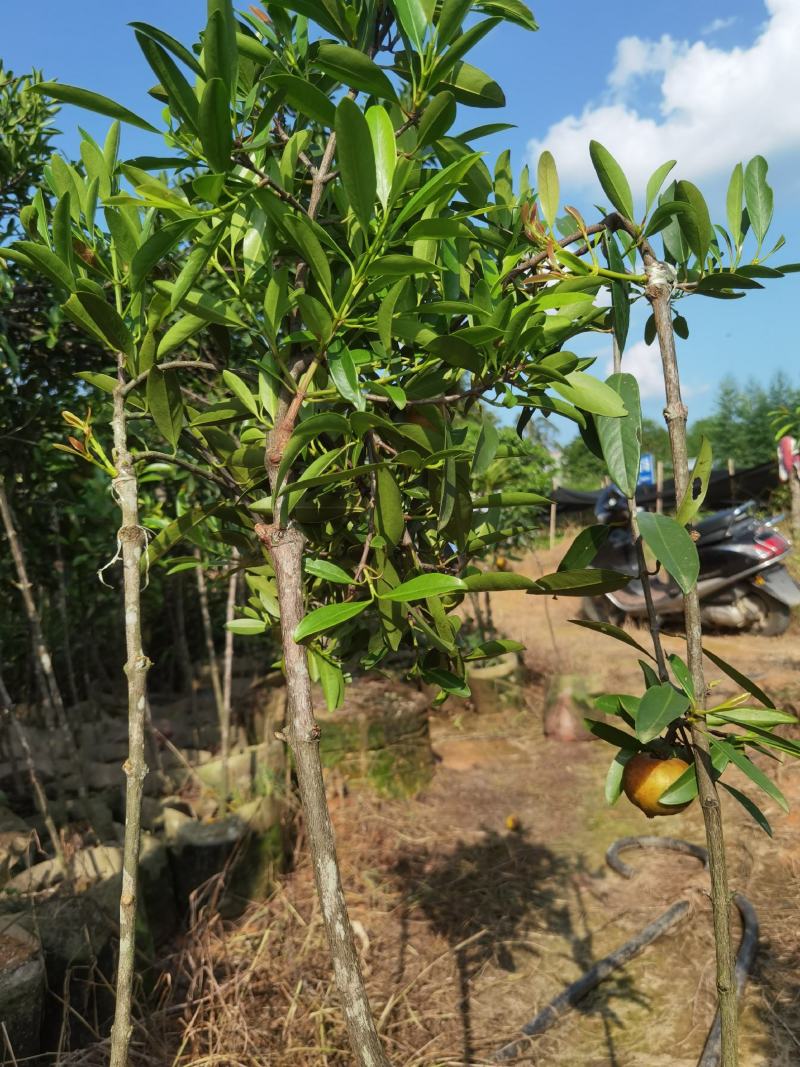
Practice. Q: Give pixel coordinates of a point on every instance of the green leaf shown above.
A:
(327, 617)
(734, 203)
(330, 572)
(750, 807)
(220, 49)
(305, 97)
(389, 517)
(443, 184)
(741, 679)
(589, 582)
(166, 403)
(590, 394)
(356, 160)
(511, 10)
(446, 680)
(763, 717)
(200, 254)
(100, 381)
(240, 390)
(698, 485)
(178, 333)
(182, 101)
(655, 182)
(610, 630)
(343, 372)
(498, 581)
(473, 87)
(489, 649)
(385, 314)
(101, 105)
(758, 196)
(354, 69)
(621, 439)
(620, 296)
(45, 261)
(613, 786)
(581, 553)
(100, 319)
(702, 233)
(395, 266)
(664, 215)
(726, 279)
(659, 706)
(325, 13)
(62, 231)
(215, 124)
(384, 148)
(755, 774)
(437, 118)
(509, 499)
(547, 179)
(682, 673)
(413, 19)
(246, 627)
(302, 235)
(156, 248)
(424, 586)
(485, 448)
(168, 42)
(612, 179)
(204, 305)
(672, 546)
(614, 736)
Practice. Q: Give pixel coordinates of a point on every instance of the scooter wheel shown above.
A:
(773, 617)
(599, 609)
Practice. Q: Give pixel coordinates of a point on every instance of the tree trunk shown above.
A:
(659, 290)
(42, 658)
(131, 542)
(213, 668)
(302, 733)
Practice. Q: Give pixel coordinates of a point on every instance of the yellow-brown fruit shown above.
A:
(501, 563)
(646, 777)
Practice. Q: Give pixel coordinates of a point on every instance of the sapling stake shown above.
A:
(227, 670)
(43, 661)
(658, 292)
(213, 669)
(10, 715)
(131, 539)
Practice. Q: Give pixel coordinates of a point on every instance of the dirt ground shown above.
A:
(467, 928)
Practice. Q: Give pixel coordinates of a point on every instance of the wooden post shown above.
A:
(731, 473)
(553, 513)
(659, 486)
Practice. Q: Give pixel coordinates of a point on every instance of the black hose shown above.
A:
(569, 997)
(567, 1000)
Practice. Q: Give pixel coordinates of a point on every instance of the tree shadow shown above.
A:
(486, 898)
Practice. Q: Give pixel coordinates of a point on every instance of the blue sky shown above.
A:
(708, 83)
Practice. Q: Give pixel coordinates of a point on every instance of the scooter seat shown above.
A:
(716, 527)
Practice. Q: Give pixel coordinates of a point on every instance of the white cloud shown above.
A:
(644, 363)
(714, 106)
(719, 24)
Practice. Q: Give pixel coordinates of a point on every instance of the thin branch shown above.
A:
(165, 457)
(173, 364)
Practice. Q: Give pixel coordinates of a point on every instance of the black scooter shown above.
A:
(743, 584)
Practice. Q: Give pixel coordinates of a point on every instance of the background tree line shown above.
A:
(740, 428)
